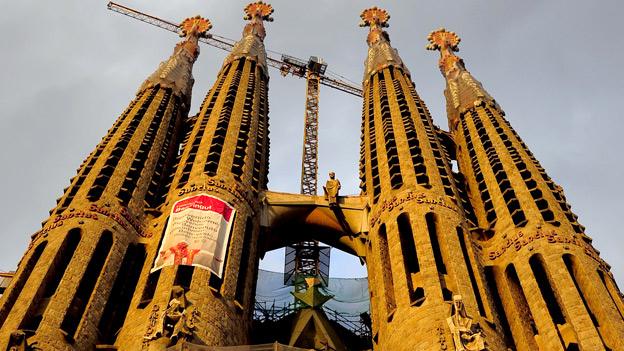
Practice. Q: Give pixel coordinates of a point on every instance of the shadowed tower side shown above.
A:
(65, 283)
(224, 155)
(419, 257)
(556, 292)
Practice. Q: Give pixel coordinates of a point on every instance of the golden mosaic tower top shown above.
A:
(462, 89)
(380, 53)
(176, 72)
(251, 44)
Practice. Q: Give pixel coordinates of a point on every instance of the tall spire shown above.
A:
(380, 53)
(224, 157)
(251, 44)
(176, 71)
(463, 90)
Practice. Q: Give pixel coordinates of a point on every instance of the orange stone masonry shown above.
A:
(556, 292)
(59, 294)
(419, 252)
(489, 257)
(224, 154)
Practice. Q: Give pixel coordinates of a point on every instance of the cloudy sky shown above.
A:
(71, 67)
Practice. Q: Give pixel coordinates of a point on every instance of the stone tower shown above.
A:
(555, 291)
(420, 255)
(72, 284)
(224, 155)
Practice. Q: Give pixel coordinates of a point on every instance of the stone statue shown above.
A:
(18, 341)
(177, 321)
(332, 186)
(466, 335)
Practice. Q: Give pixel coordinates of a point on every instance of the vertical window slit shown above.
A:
(525, 173)
(260, 170)
(220, 132)
(211, 100)
(573, 272)
(149, 289)
(184, 276)
(413, 142)
(373, 142)
(490, 213)
(520, 300)
(86, 167)
(386, 265)
(498, 303)
(471, 273)
(20, 281)
(101, 181)
(92, 273)
(242, 142)
(613, 292)
(509, 195)
(121, 294)
(546, 289)
(363, 132)
(394, 166)
(410, 259)
(158, 186)
(435, 244)
(51, 281)
(136, 168)
(243, 266)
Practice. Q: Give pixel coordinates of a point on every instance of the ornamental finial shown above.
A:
(194, 26)
(374, 17)
(440, 39)
(259, 9)
(447, 43)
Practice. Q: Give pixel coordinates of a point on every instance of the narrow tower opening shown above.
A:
(123, 289)
(410, 259)
(51, 281)
(546, 289)
(14, 293)
(92, 273)
(384, 255)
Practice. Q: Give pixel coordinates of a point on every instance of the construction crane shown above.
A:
(306, 258)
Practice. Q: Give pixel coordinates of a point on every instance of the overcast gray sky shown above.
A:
(71, 67)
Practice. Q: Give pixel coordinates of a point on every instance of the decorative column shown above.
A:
(205, 269)
(71, 277)
(553, 285)
(425, 278)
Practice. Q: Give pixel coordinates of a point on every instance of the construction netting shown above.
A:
(350, 294)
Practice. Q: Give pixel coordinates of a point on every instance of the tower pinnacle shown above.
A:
(251, 44)
(447, 43)
(176, 72)
(463, 90)
(380, 53)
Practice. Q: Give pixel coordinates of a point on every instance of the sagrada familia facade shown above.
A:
(487, 258)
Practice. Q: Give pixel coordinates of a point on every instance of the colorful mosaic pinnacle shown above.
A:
(447, 43)
(441, 39)
(259, 9)
(193, 25)
(374, 17)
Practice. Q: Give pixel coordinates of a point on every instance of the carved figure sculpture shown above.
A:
(18, 341)
(332, 186)
(177, 321)
(466, 335)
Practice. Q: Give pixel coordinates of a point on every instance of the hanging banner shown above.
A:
(197, 234)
